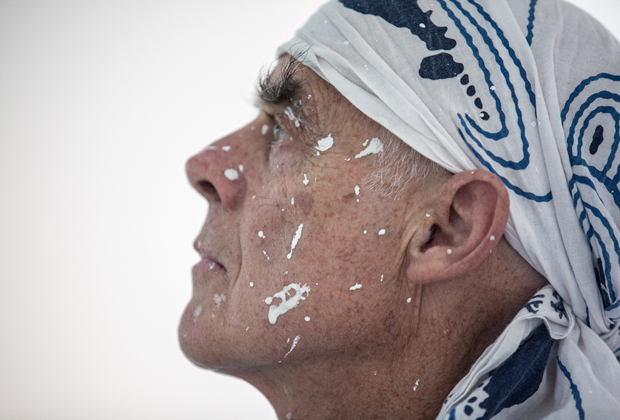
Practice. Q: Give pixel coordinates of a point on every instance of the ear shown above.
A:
(467, 218)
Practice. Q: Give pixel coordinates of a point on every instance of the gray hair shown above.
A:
(398, 166)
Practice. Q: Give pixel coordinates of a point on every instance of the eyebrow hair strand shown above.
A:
(286, 88)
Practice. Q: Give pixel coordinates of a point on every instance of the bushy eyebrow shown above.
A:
(285, 87)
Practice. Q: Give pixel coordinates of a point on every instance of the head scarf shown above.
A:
(530, 91)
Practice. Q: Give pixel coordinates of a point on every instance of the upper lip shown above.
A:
(205, 254)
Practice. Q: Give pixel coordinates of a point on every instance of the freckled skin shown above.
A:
(332, 250)
(352, 333)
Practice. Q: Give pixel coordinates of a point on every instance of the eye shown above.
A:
(279, 134)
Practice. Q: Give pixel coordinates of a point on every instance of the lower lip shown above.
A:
(207, 264)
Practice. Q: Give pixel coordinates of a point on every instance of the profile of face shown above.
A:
(300, 259)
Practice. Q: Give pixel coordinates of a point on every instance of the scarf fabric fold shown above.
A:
(530, 91)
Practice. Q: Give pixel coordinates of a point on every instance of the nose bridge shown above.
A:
(215, 175)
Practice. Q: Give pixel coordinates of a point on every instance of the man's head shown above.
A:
(347, 276)
(329, 241)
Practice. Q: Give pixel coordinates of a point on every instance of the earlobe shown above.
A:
(468, 218)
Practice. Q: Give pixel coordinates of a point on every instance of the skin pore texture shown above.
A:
(384, 303)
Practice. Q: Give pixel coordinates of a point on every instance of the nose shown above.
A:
(216, 176)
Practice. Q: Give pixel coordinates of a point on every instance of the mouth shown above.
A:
(207, 261)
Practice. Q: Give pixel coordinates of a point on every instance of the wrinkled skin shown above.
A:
(332, 255)
(433, 295)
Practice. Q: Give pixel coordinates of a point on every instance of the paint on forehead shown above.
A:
(264, 130)
(226, 148)
(292, 201)
(382, 232)
(197, 312)
(357, 190)
(325, 143)
(357, 286)
(265, 253)
(295, 341)
(231, 174)
(306, 180)
(375, 146)
(382, 120)
(307, 318)
(287, 302)
(295, 240)
(261, 234)
(291, 116)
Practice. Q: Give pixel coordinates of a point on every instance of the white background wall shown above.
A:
(101, 103)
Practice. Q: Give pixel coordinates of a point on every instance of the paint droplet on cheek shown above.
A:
(226, 148)
(293, 201)
(492, 238)
(409, 300)
(357, 190)
(357, 286)
(449, 251)
(269, 300)
(382, 232)
(251, 284)
(428, 215)
(307, 318)
(264, 129)
(231, 174)
(381, 277)
(261, 234)
(365, 232)
(306, 180)
(240, 168)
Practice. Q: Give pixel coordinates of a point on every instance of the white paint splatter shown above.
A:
(357, 190)
(449, 251)
(381, 277)
(416, 384)
(265, 253)
(409, 300)
(251, 284)
(422, 25)
(231, 174)
(306, 180)
(289, 416)
(365, 143)
(309, 96)
(261, 234)
(357, 286)
(374, 147)
(325, 144)
(295, 341)
(383, 121)
(240, 168)
(197, 312)
(295, 240)
(382, 232)
(226, 148)
(264, 129)
(307, 318)
(365, 232)
(291, 116)
(493, 88)
(286, 304)
(247, 328)
(492, 238)
(292, 201)
(428, 215)
(218, 299)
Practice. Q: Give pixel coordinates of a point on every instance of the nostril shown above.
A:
(208, 189)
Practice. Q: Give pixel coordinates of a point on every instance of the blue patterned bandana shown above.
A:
(530, 91)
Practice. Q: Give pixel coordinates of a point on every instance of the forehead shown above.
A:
(290, 83)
